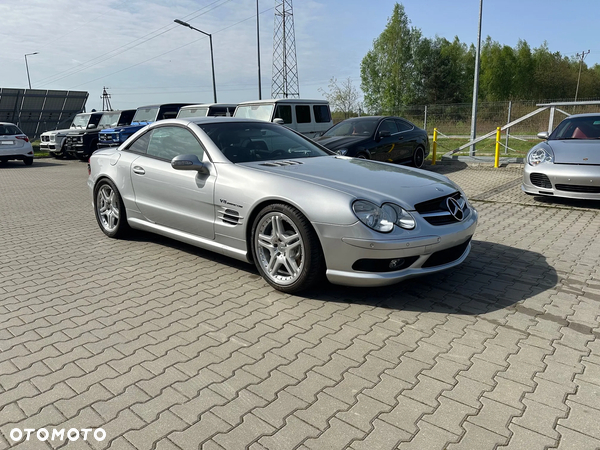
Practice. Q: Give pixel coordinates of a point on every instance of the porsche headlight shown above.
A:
(382, 218)
(539, 155)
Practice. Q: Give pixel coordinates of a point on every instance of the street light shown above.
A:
(27, 66)
(212, 60)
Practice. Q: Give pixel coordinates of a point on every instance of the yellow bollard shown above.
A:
(433, 156)
(497, 158)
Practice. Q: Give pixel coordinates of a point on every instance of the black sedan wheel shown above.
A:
(419, 157)
(286, 249)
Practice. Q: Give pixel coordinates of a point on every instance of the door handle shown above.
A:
(139, 170)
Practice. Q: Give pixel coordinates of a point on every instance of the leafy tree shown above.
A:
(387, 71)
(342, 97)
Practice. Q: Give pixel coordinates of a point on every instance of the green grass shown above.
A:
(517, 147)
(36, 150)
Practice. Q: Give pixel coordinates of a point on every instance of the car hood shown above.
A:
(337, 142)
(369, 180)
(54, 132)
(128, 129)
(575, 151)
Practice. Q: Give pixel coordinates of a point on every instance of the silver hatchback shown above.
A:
(14, 144)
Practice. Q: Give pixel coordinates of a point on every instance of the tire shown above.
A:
(286, 249)
(419, 157)
(109, 210)
(362, 156)
(28, 160)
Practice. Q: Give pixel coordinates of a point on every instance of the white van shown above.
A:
(206, 110)
(309, 117)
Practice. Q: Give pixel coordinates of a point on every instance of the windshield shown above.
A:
(260, 112)
(192, 112)
(145, 114)
(587, 127)
(109, 120)
(353, 127)
(9, 130)
(81, 121)
(249, 142)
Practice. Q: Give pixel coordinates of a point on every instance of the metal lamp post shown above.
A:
(212, 60)
(27, 66)
(476, 83)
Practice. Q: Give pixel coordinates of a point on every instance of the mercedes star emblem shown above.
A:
(455, 209)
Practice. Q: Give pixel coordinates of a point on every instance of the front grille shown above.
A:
(540, 180)
(577, 188)
(436, 211)
(105, 137)
(447, 256)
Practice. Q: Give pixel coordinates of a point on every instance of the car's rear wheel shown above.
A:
(286, 249)
(362, 156)
(419, 157)
(109, 210)
(28, 160)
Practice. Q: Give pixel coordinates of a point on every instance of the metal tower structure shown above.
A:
(106, 100)
(285, 68)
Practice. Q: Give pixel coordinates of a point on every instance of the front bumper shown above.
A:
(431, 249)
(575, 181)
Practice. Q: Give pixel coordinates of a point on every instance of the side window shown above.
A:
(389, 125)
(168, 112)
(168, 142)
(283, 112)
(303, 113)
(322, 113)
(140, 145)
(403, 125)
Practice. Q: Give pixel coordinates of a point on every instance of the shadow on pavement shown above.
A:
(567, 202)
(37, 163)
(446, 167)
(494, 276)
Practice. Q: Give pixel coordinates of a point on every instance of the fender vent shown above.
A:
(230, 216)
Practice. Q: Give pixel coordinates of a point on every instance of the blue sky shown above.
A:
(134, 48)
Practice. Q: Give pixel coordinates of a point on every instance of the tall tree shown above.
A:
(387, 71)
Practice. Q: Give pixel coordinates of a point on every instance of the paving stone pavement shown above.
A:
(166, 346)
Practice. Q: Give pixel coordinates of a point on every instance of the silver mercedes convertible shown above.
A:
(567, 163)
(262, 193)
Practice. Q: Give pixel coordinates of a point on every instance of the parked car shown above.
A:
(54, 141)
(14, 144)
(207, 110)
(390, 139)
(262, 193)
(567, 163)
(309, 117)
(144, 115)
(82, 142)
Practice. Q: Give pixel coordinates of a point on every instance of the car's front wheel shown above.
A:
(286, 249)
(109, 210)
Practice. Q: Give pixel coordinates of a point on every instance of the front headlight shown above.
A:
(342, 151)
(383, 218)
(539, 155)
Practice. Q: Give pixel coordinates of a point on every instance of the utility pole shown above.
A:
(476, 83)
(581, 57)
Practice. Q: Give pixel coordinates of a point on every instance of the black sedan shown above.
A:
(390, 139)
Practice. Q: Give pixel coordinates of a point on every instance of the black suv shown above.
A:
(82, 143)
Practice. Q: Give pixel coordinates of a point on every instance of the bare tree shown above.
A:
(342, 96)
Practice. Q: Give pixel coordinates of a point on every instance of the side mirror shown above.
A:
(278, 121)
(91, 125)
(189, 162)
(543, 135)
(383, 134)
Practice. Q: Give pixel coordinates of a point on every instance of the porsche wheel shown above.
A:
(286, 249)
(109, 209)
